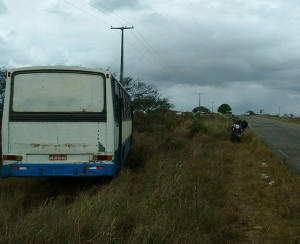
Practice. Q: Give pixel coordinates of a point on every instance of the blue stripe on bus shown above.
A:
(47, 170)
(72, 170)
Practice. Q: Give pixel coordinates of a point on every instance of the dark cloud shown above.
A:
(4, 52)
(224, 50)
(3, 8)
(229, 50)
(66, 16)
(113, 5)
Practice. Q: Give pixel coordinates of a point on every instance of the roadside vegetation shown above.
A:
(184, 182)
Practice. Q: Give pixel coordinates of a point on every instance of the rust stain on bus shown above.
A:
(34, 145)
(69, 145)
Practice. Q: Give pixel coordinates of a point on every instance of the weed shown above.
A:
(197, 126)
(184, 183)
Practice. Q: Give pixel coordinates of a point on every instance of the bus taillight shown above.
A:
(18, 168)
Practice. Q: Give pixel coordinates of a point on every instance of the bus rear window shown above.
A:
(58, 92)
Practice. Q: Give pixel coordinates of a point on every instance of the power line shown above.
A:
(82, 10)
(111, 11)
(145, 44)
(122, 49)
(152, 49)
(148, 47)
(146, 57)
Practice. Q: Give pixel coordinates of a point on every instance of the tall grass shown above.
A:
(184, 182)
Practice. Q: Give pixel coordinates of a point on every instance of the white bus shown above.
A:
(64, 121)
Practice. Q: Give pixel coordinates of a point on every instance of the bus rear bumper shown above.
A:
(57, 170)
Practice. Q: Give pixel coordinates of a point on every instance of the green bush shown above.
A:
(196, 127)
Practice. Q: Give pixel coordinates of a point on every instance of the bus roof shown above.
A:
(59, 67)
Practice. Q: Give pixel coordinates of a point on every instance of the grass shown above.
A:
(184, 182)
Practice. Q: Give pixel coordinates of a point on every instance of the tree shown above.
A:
(3, 72)
(224, 109)
(145, 98)
(201, 109)
(250, 112)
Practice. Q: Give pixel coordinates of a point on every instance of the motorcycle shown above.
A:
(237, 129)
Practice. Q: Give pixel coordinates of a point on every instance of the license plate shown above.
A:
(57, 157)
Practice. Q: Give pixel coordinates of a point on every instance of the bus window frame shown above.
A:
(120, 92)
(58, 116)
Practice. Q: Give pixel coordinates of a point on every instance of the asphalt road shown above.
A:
(282, 137)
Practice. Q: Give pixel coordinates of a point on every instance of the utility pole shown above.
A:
(199, 99)
(122, 49)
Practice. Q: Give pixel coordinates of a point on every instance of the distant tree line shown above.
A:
(145, 98)
(3, 73)
(223, 109)
(201, 109)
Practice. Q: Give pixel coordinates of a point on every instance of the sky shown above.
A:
(243, 53)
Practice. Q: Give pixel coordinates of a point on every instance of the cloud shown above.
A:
(240, 96)
(5, 52)
(3, 8)
(224, 42)
(230, 50)
(113, 5)
(64, 15)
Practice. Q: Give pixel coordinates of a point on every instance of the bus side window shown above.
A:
(115, 98)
